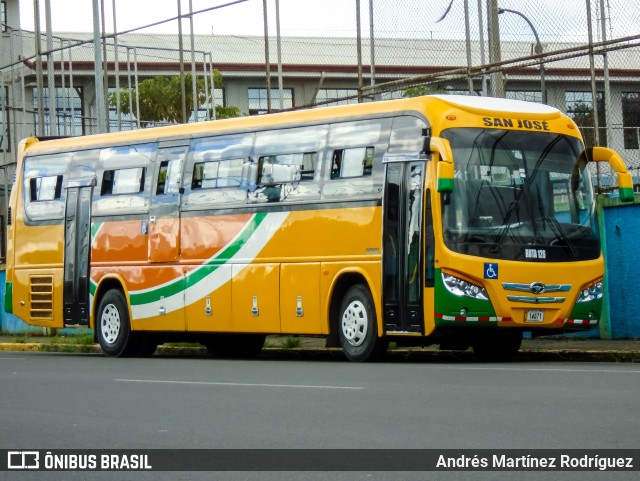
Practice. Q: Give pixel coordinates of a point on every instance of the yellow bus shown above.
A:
(451, 220)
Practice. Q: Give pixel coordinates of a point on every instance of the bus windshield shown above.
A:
(520, 195)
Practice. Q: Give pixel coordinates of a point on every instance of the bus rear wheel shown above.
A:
(497, 346)
(113, 326)
(358, 326)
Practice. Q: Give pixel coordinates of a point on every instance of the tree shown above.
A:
(161, 101)
(419, 90)
(223, 112)
(582, 115)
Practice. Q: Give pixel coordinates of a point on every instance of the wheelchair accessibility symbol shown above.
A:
(490, 270)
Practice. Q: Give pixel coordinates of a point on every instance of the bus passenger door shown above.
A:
(77, 249)
(403, 247)
(164, 212)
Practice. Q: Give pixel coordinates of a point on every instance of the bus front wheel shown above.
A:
(113, 326)
(358, 326)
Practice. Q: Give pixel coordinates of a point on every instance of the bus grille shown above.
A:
(41, 295)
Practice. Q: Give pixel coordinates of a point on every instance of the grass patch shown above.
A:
(291, 342)
(69, 348)
(85, 340)
(19, 340)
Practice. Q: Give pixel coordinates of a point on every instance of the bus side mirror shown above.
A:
(444, 170)
(625, 181)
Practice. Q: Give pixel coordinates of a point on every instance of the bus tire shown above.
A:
(113, 326)
(497, 346)
(358, 326)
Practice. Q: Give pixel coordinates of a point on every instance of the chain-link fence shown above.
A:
(565, 54)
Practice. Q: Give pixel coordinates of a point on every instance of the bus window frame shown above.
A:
(288, 190)
(136, 203)
(195, 199)
(39, 166)
(216, 180)
(368, 133)
(116, 181)
(299, 140)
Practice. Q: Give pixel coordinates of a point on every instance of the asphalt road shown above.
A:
(64, 401)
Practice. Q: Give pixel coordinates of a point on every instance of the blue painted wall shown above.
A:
(622, 252)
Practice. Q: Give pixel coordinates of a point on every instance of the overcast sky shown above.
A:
(553, 19)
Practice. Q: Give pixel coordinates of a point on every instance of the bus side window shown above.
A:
(45, 188)
(219, 171)
(198, 179)
(367, 163)
(107, 182)
(357, 162)
(288, 163)
(123, 184)
(217, 174)
(42, 187)
(336, 163)
(284, 168)
(169, 173)
(229, 172)
(123, 181)
(162, 177)
(407, 135)
(285, 177)
(309, 161)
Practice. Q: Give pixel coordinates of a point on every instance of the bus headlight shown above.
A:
(461, 287)
(591, 292)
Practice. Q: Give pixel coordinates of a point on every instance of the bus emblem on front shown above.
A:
(537, 287)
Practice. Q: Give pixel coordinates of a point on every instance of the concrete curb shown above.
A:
(396, 355)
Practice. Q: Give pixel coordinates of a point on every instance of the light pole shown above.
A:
(538, 48)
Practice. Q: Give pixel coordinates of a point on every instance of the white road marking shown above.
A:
(240, 384)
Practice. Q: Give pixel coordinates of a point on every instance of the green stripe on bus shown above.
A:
(626, 194)
(8, 298)
(95, 227)
(445, 185)
(449, 304)
(227, 254)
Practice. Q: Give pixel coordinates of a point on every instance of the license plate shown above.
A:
(535, 316)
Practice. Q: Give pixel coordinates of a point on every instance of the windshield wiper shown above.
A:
(507, 221)
(560, 234)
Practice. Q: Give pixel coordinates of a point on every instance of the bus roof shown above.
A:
(472, 104)
(497, 105)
